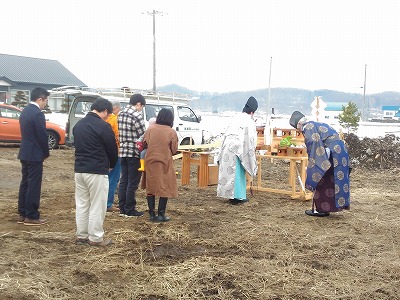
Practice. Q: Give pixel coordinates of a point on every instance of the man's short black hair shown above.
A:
(165, 117)
(137, 98)
(39, 92)
(101, 104)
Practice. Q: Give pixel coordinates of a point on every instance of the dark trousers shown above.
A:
(128, 184)
(113, 179)
(29, 189)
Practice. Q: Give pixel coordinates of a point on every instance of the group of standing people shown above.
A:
(160, 142)
(106, 152)
(108, 142)
(112, 149)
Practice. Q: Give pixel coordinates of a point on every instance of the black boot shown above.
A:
(162, 205)
(151, 203)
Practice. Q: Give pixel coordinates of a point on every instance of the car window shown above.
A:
(10, 113)
(3, 96)
(186, 114)
(82, 108)
(123, 104)
(153, 109)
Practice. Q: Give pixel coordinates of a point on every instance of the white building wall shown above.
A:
(388, 114)
(331, 117)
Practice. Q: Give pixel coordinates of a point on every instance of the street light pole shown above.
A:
(153, 13)
(365, 117)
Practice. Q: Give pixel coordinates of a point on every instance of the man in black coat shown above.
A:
(33, 151)
(96, 153)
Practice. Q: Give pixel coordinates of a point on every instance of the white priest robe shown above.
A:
(237, 156)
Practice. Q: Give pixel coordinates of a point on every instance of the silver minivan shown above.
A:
(186, 122)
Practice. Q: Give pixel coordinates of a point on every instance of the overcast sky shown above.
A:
(213, 45)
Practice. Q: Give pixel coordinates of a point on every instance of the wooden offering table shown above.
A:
(207, 174)
(293, 174)
(203, 176)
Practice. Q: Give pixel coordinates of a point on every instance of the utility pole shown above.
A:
(267, 129)
(365, 116)
(269, 89)
(154, 13)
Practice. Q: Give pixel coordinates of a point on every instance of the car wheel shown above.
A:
(186, 142)
(52, 140)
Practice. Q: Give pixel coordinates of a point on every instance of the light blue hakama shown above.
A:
(240, 181)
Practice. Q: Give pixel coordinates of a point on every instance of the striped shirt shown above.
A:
(130, 128)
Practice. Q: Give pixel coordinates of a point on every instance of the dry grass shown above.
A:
(265, 249)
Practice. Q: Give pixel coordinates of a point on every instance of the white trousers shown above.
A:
(91, 192)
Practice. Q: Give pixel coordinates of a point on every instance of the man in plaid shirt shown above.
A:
(131, 127)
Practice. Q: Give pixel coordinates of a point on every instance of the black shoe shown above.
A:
(238, 201)
(234, 201)
(134, 214)
(309, 212)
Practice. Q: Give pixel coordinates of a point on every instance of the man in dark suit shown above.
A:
(33, 151)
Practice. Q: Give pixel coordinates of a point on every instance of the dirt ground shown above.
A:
(264, 249)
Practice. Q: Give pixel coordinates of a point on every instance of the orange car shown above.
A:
(10, 131)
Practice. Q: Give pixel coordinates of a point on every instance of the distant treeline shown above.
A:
(283, 100)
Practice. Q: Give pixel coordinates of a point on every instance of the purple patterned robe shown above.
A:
(327, 170)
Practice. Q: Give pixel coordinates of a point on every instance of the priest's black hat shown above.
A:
(295, 118)
(251, 105)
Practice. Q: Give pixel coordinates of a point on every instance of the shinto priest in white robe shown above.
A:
(237, 156)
